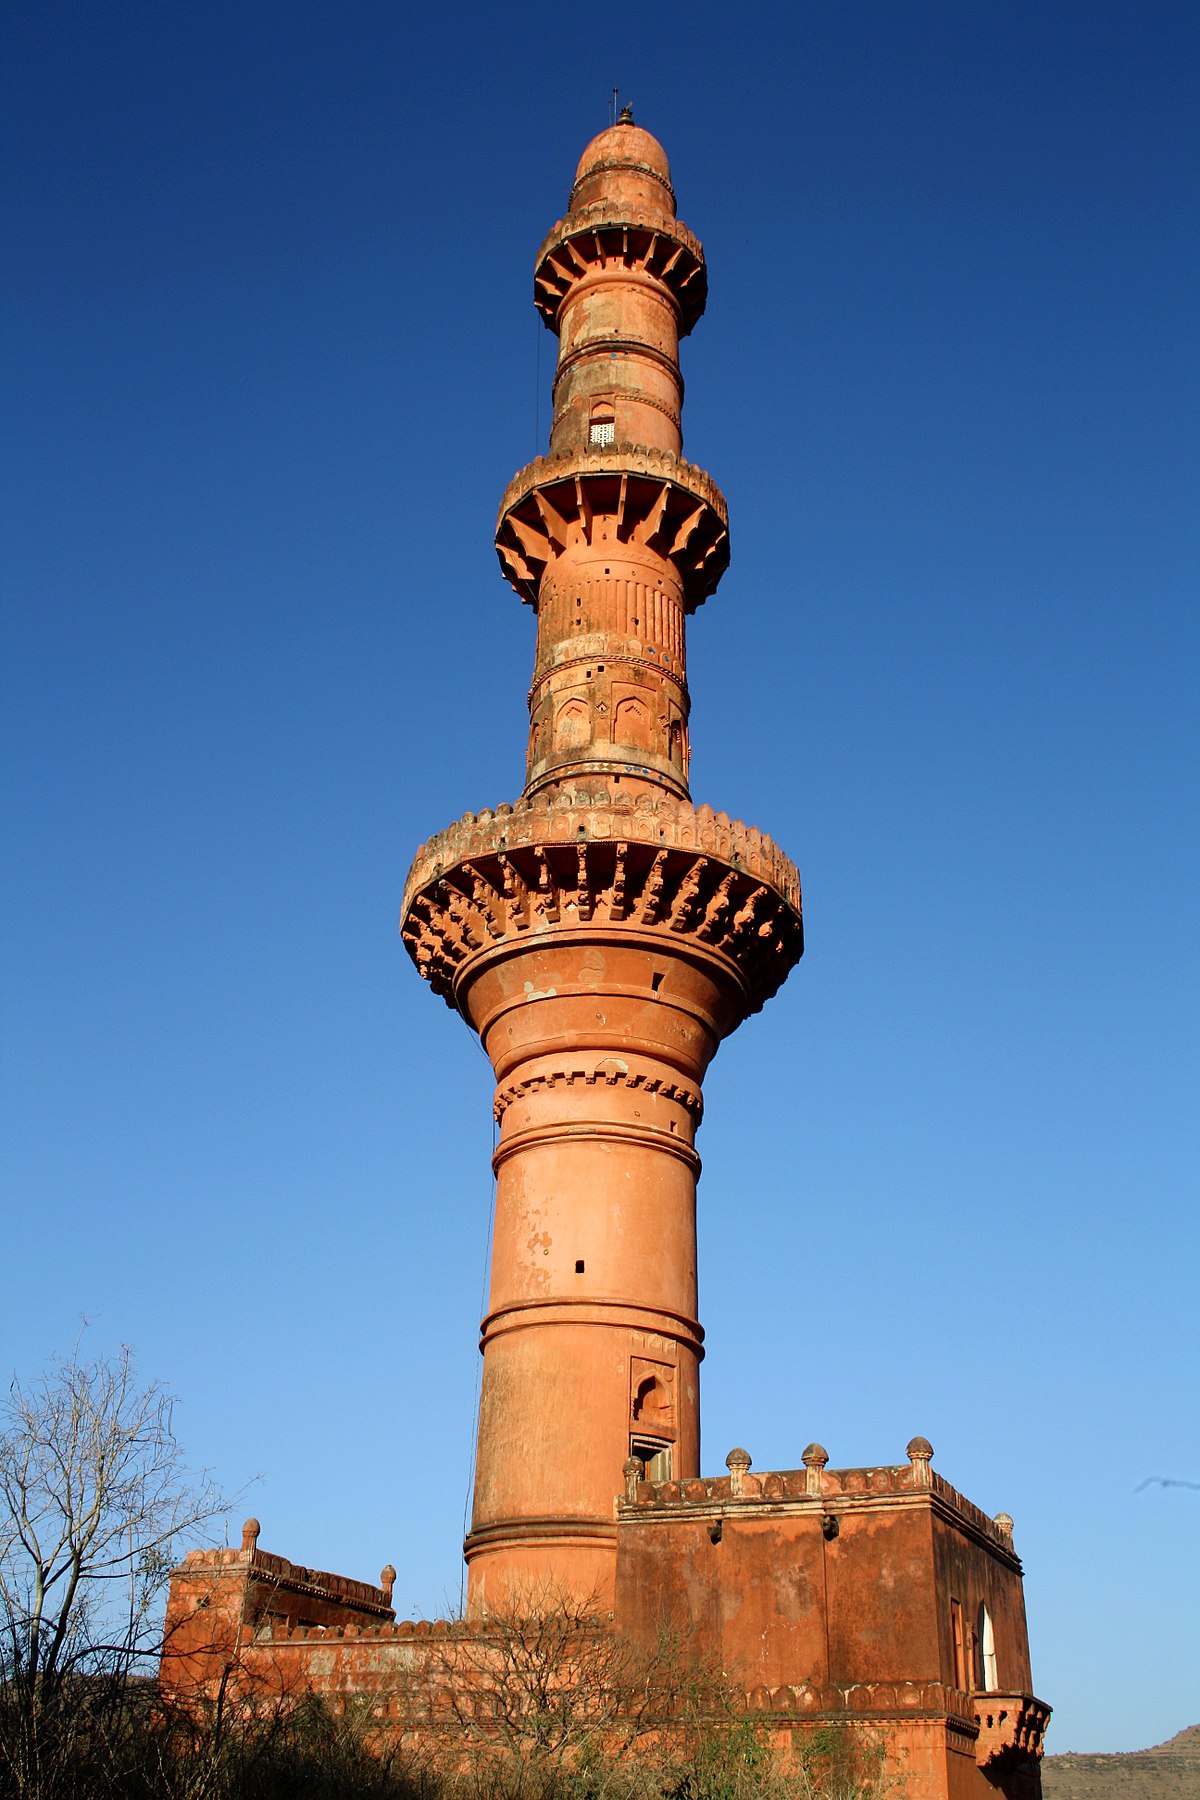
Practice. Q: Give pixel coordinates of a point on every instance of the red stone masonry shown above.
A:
(288, 1629)
(658, 820)
(603, 936)
(591, 860)
(650, 495)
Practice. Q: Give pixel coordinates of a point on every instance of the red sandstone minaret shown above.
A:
(601, 935)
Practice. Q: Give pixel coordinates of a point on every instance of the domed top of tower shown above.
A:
(624, 164)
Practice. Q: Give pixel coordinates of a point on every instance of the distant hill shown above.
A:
(1169, 1771)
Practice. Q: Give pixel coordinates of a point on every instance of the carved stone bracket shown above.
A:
(641, 495)
(693, 877)
(1011, 1727)
(603, 236)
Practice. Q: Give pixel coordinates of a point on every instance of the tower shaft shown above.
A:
(602, 936)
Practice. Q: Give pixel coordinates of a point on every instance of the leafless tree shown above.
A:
(544, 1698)
(95, 1505)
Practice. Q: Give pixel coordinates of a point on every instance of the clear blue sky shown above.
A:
(271, 358)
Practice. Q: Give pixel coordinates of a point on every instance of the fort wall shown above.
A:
(822, 1597)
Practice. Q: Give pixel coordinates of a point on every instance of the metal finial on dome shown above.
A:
(625, 116)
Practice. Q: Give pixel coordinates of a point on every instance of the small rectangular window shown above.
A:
(655, 1455)
(604, 433)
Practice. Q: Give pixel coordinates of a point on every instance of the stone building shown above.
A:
(603, 935)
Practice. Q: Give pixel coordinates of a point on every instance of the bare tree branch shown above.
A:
(96, 1503)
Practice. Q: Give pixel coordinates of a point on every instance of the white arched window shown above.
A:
(987, 1652)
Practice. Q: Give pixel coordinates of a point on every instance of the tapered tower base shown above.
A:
(602, 948)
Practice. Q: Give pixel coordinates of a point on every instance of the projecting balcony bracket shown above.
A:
(660, 248)
(1012, 1727)
(647, 497)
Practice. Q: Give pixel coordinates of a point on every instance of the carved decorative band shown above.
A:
(607, 646)
(609, 346)
(549, 772)
(642, 397)
(905, 1705)
(585, 616)
(548, 1529)
(606, 1074)
(658, 1321)
(596, 1131)
(643, 168)
(513, 895)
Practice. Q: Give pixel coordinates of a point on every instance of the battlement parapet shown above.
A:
(390, 1631)
(614, 459)
(866, 1699)
(1000, 1527)
(610, 211)
(603, 860)
(783, 1484)
(596, 814)
(479, 1630)
(815, 1486)
(279, 1574)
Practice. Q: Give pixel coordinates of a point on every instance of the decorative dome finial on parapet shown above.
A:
(1004, 1525)
(920, 1455)
(814, 1459)
(250, 1531)
(387, 1582)
(738, 1463)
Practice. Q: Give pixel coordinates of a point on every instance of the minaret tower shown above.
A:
(602, 935)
